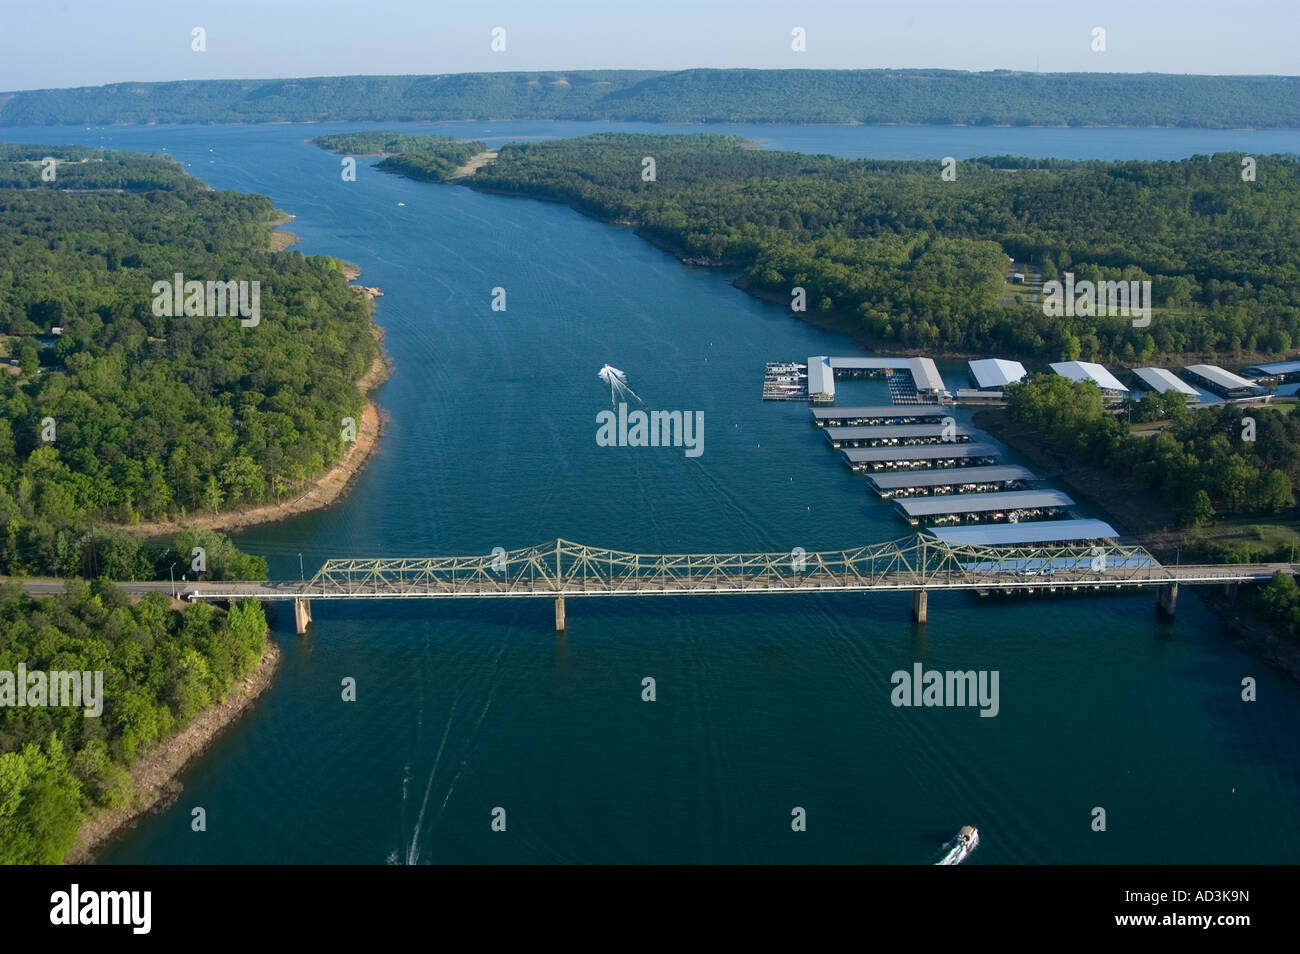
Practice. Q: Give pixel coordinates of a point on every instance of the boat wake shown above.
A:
(959, 849)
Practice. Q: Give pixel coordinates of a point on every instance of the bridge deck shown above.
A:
(564, 569)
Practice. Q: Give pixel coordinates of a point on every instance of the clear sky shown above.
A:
(57, 43)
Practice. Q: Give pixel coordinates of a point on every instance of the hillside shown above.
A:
(688, 96)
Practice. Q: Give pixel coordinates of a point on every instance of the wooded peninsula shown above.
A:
(113, 413)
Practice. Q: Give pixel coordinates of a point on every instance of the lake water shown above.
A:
(764, 704)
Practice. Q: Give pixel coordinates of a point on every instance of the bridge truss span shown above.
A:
(564, 568)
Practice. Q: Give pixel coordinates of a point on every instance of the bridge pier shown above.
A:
(1167, 598)
(559, 614)
(301, 614)
(920, 605)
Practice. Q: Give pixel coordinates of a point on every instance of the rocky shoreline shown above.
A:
(154, 784)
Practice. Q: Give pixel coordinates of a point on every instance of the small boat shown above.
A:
(960, 847)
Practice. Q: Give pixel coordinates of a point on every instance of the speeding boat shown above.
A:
(957, 850)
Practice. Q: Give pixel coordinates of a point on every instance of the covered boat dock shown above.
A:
(916, 457)
(959, 480)
(868, 415)
(1008, 507)
(898, 435)
(1019, 534)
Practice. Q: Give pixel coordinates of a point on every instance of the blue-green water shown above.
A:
(764, 703)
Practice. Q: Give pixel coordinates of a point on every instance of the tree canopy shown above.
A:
(917, 96)
(126, 415)
(432, 158)
(916, 260)
(160, 667)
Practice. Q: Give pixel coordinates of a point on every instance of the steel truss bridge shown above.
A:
(916, 564)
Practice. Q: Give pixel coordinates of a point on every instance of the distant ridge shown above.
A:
(931, 97)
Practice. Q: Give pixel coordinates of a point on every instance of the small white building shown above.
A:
(1110, 385)
(994, 374)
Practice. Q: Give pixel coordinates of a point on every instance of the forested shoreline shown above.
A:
(792, 96)
(1199, 464)
(1202, 467)
(160, 666)
(114, 414)
(912, 259)
(117, 411)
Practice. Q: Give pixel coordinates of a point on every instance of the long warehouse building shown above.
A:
(1214, 378)
(958, 480)
(894, 435)
(1110, 385)
(910, 458)
(1162, 381)
(1010, 507)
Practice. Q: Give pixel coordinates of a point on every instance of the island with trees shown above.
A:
(428, 158)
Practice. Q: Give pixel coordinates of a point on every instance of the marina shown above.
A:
(815, 380)
(785, 381)
(934, 470)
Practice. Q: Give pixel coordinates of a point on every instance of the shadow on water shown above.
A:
(886, 610)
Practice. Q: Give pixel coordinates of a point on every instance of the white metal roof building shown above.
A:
(821, 380)
(1090, 371)
(923, 482)
(1039, 531)
(1276, 370)
(1002, 506)
(1222, 382)
(1162, 380)
(925, 375)
(993, 374)
(822, 371)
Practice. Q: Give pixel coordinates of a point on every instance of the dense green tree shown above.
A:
(688, 96)
(921, 262)
(160, 667)
(1199, 462)
(156, 415)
